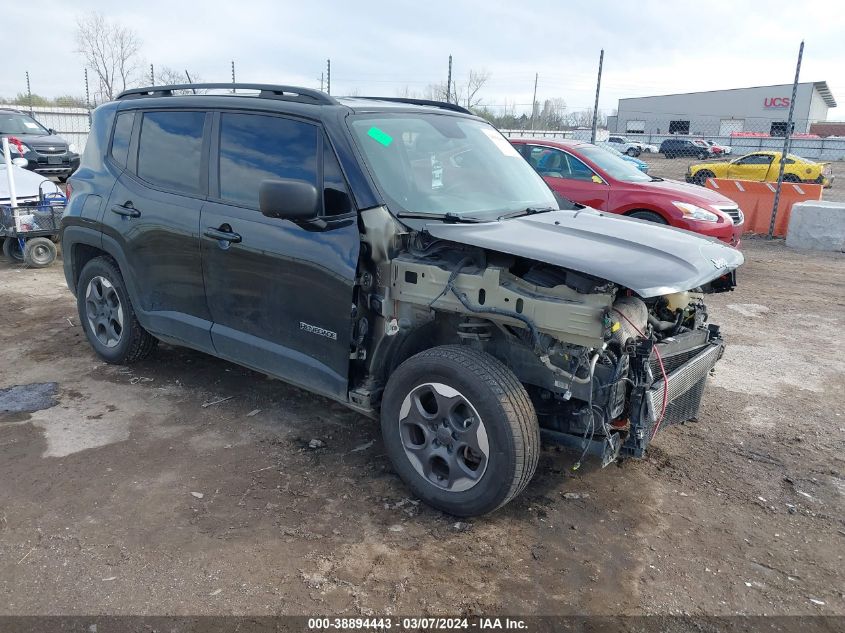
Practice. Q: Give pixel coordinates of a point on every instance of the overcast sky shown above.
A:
(378, 47)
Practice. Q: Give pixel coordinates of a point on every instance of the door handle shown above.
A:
(126, 209)
(225, 236)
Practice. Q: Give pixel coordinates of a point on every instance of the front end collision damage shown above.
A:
(606, 364)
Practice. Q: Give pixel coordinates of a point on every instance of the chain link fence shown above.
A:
(722, 124)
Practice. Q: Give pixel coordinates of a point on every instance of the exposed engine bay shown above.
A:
(605, 367)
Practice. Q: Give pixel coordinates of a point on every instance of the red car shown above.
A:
(587, 174)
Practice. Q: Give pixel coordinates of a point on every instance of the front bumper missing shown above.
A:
(687, 360)
(685, 389)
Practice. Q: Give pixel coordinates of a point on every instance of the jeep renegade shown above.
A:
(398, 256)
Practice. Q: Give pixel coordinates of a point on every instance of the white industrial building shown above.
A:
(762, 109)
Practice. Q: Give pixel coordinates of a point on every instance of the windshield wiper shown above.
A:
(448, 217)
(527, 211)
(656, 179)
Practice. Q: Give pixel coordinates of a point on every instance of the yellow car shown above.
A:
(763, 166)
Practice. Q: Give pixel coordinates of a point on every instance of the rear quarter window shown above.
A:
(122, 135)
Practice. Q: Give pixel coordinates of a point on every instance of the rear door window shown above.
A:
(170, 149)
(256, 147)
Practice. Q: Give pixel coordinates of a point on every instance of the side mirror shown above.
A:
(289, 199)
(51, 130)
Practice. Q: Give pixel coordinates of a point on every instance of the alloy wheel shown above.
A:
(444, 437)
(104, 311)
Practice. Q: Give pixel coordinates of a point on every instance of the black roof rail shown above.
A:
(421, 102)
(266, 91)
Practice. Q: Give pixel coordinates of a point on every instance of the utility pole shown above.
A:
(87, 94)
(321, 82)
(328, 76)
(449, 82)
(152, 75)
(233, 74)
(190, 81)
(29, 93)
(786, 141)
(534, 100)
(596, 106)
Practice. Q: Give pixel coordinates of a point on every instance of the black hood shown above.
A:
(648, 258)
(40, 140)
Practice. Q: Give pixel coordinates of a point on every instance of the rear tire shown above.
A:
(39, 252)
(107, 315)
(791, 178)
(12, 250)
(702, 155)
(632, 152)
(460, 430)
(650, 216)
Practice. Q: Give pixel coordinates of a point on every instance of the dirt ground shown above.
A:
(130, 496)
(676, 168)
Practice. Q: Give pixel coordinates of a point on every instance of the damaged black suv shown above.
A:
(400, 257)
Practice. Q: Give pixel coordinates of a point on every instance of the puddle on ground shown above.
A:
(28, 398)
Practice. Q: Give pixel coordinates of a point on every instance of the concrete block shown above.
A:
(817, 225)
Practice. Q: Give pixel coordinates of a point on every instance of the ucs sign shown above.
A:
(776, 102)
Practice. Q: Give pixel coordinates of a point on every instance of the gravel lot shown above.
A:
(129, 496)
(675, 168)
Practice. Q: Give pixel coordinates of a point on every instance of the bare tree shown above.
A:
(475, 82)
(167, 76)
(405, 92)
(553, 115)
(584, 118)
(463, 93)
(111, 50)
(436, 92)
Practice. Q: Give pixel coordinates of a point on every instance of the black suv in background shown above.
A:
(674, 147)
(395, 255)
(46, 153)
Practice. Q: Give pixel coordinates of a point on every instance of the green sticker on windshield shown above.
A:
(381, 136)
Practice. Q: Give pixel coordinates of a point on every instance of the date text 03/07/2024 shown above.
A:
(415, 624)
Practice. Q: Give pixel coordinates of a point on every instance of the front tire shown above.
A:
(460, 430)
(107, 315)
(650, 216)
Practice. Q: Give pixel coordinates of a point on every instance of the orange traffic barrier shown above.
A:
(756, 200)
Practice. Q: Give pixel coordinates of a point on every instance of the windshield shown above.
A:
(614, 166)
(14, 123)
(439, 164)
(611, 149)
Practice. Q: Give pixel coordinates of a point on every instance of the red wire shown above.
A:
(662, 370)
